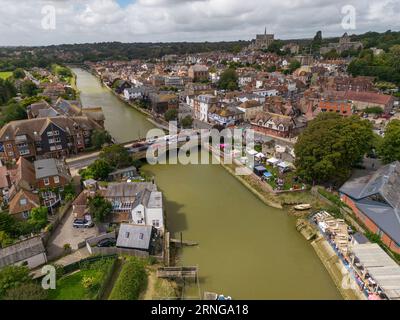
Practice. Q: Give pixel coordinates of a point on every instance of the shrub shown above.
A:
(131, 281)
(28, 291)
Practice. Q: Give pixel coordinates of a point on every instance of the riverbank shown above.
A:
(151, 118)
(208, 206)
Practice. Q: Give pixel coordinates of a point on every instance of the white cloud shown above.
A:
(186, 20)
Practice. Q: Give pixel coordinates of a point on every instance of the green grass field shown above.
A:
(5, 75)
(70, 287)
(84, 284)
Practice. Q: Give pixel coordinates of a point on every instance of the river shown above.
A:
(124, 123)
(246, 249)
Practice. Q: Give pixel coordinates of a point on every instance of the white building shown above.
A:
(132, 93)
(148, 209)
(266, 93)
(201, 106)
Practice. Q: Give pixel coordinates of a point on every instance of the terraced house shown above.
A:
(51, 137)
(278, 125)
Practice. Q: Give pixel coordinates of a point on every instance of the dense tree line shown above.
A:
(330, 146)
(385, 67)
(7, 91)
(389, 146)
(78, 53)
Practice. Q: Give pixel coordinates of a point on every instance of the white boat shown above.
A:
(302, 207)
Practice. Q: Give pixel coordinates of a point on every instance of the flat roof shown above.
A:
(382, 268)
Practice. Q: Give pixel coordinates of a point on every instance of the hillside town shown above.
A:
(326, 150)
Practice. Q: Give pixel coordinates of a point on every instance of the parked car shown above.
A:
(109, 242)
(82, 223)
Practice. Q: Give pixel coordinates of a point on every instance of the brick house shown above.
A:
(198, 73)
(51, 174)
(160, 103)
(22, 203)
(342, 107)
(46, 137)
(363, 100)
(278, 125)
(375, 200)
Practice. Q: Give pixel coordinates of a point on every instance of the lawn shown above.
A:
(84, 284)
(70, 287)
(5, 75)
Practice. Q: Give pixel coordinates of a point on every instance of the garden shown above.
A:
(87, 282)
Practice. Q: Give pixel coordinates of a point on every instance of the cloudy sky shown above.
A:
(31, 22)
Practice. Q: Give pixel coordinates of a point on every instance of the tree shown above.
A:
(7, 91)
(330, 146)
(13, 277)
(171, 115)
(99, 138)
(38, 218)
(374, 110)
(13, 111)
(8, 224)
(19, 73)
(187, 122)
(228, 80)
(294, 65)
(28, 88)
(5, 239)
(116, 156)
(99, 207)
(317, 42)
(100, 169)
(389, 149)
(27, 291)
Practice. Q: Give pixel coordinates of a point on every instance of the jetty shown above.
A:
(184, 242)
(177, 272)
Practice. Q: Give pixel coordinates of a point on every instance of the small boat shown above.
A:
(222, 297)
(302, 207)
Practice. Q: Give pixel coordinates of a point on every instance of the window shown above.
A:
(127, 234)
(25, 215)
(46, 181)
(11, 154)
(8, 145)
(141, 236)
(22, 202)
(156, 223)
(56, 179)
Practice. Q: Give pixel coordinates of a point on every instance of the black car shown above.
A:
(109, 242)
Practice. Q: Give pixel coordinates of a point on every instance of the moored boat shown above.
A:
(302, 207)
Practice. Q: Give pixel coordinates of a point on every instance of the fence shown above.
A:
(119, 251)
(77, 265)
